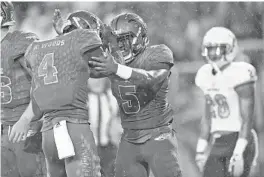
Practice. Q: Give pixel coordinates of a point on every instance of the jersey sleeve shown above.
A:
(22, 41)
(201, 78)
(159, 56)
(87, 40)
(24, 60)
(245, 73)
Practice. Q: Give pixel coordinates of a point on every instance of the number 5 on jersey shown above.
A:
(47, 69)
(130, 102)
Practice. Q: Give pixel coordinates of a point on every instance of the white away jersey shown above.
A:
(220, 93)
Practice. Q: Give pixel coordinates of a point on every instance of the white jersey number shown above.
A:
(6, 92)
(130, 100)
(48, 70)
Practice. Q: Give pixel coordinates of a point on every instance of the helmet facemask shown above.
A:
(216, 55)
(215, 52)
(219, 54)
(131, 44)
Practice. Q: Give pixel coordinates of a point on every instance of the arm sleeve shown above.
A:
(22, 42)
(245, 74)
(161, 56)
(24, 60)
(201, 79)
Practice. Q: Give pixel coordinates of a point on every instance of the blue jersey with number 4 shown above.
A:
(60, 72)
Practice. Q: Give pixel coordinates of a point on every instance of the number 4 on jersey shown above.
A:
(47, 69)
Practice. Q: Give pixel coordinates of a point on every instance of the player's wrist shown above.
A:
(123, 71)
(115, 68)
(201, 145)
(241, 145)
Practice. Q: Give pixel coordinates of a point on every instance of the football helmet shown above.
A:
(83, 20)
(219, 44)
(7, 14)
(132, 34)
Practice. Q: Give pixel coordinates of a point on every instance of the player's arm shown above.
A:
(96, 51)
(143, 77)
(156, 73)
(90, 45)
(205, 124)
(24, 62)
(246, 93)
(205, 128)
(21, 127)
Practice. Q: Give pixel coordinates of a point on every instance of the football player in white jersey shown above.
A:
(227, 143)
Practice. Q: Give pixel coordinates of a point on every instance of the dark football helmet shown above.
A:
(132, 34)
(7, 14)
(83, 20)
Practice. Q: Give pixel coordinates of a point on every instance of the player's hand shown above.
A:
(236, 165)
(105, 65)
(58, 22)
(200, 160)
(19, 131)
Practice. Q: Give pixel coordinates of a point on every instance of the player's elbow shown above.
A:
(158, 76)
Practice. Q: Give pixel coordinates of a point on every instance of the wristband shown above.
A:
(124, 72)
(201, 145)
(240, 146)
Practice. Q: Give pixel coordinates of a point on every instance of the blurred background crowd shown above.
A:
(181, 26)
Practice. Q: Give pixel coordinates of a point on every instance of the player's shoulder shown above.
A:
(241, 65)
(159, 53)
(203, 74)
(241, 73)
(21, 40)
(84, 33)
(22, 36)
(159, 49)
(205, 69)
(85, 37)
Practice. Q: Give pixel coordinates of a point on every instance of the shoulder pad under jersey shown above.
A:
(158, 54)
(203, 75)
(243, 73)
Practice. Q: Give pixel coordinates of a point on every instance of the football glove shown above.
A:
(202, 153)
(58, 22)
(200, 160)
(236, 166)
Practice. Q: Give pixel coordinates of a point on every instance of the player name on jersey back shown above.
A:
(49, 44)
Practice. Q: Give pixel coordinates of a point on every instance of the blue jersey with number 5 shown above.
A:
(60, 73)
(141, 107)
